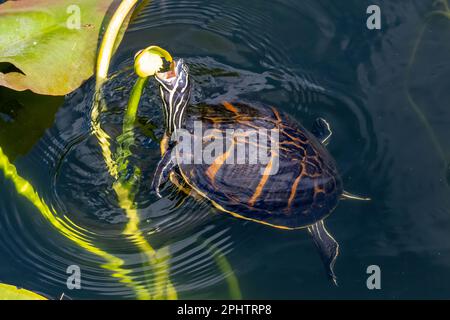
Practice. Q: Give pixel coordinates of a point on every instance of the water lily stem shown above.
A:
(118, 167)
(133, 104)
(109, 40)
(163, 287)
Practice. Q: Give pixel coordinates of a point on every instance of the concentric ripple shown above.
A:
(234, 51)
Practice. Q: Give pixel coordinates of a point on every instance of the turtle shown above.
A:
(300, 194)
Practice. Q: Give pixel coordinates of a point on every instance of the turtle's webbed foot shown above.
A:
(328, 247)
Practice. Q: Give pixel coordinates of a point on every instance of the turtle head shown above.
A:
(175, 90)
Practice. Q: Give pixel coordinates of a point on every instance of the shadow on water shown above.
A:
(310, 59)
(25, 115)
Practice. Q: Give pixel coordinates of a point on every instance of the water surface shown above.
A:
(389, 115)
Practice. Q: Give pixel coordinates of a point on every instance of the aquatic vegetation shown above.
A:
(227, 270)
(444, 12)
(125, 186)
(125, 190)
(383, 92)
(50, 45)
(118, 168)
(147, 63)
(66, 227)
(110, 39)
(8, 292)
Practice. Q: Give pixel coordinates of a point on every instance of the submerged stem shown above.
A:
(415, 107)
(126, 195)
(125, 190)
(227, 270)
(117, 167)
(68, 228)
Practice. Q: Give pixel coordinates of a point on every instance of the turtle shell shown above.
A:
(304, 189)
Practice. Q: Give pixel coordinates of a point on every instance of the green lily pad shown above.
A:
(53, 53)
(8, 292)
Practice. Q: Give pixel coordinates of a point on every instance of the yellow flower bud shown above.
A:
(147, 64)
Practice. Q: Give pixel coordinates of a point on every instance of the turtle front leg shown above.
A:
(163, 170)
(322, 130)
(327, 245)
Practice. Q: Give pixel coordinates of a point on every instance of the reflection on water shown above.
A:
(310, 59)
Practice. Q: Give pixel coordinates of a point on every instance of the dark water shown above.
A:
(385, 94)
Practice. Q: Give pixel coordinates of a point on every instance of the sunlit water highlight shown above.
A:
(310, 59)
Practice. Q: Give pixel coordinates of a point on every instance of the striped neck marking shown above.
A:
(175, 101)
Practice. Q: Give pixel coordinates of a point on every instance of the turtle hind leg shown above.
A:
(327, 245)
(162, 172)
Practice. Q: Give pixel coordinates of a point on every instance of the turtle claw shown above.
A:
(334, 280)
(158, 194)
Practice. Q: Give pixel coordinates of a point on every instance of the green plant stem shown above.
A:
(125, 189)
(133, 104)
(227, 270)
(117, 168)
(109, 40)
